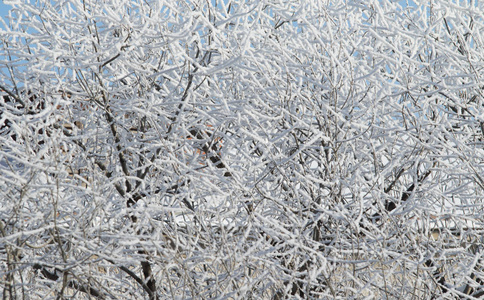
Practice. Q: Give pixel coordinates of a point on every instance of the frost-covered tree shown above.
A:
(242, 149)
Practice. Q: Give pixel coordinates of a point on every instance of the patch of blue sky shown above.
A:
(4, 8)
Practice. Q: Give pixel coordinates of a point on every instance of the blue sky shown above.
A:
(3, 9)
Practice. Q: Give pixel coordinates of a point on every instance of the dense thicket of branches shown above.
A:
(242, 149)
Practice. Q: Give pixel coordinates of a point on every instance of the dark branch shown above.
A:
(87, 289)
